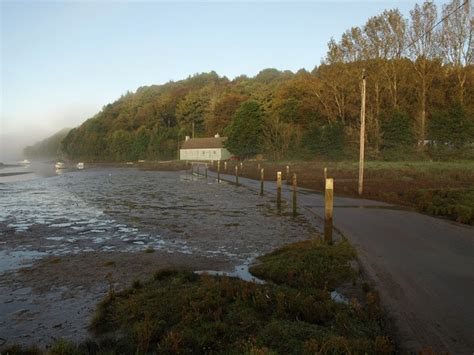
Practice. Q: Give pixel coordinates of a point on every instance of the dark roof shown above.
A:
(202, 143)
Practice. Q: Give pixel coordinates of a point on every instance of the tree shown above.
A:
(141, 141)
(223, 111)
(333, 140)
(457, 40)
(424, 51)
(277, 138)
(398, 131)
(191, 111)
(48, 147)
(245, 131)
(451, 128)
(120, 146)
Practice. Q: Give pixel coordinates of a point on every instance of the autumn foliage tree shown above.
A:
(420, 83)
(245, 131)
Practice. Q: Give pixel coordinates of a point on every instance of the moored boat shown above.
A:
(60, 165)
(80, 165)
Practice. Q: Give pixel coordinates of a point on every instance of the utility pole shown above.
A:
(362, 136)
(193, 129)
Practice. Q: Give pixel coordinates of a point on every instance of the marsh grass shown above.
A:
(181, 312)
(308, 265)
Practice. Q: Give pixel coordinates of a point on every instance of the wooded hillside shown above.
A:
(420, 88)
(47, 148)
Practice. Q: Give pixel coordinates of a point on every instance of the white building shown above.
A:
(204, 149)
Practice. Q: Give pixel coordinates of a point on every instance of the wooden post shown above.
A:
(325, 174)
(328, 210)
(198, 169)
(288, 174)
(295, 212)
(225, 166)
(218, 171)
(241, 165)
(237, 175)
(205, 171)
(279, 189)
(362, 136)
(261, 181)
(258, 168)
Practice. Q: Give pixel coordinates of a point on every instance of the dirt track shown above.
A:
(422, 266)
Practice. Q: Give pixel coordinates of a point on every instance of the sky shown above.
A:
(62, 61)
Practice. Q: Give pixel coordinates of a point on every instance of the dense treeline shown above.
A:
(420, 91)
(47, 148)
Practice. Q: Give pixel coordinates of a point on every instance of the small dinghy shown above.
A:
(80, 165)
(60, 165)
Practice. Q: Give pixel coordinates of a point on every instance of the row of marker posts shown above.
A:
(328, 192)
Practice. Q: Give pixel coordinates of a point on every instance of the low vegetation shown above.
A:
(308, 265)
(438, 188)
(181, 312)
(456, 204)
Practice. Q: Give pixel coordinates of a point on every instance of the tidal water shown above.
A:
(128, 210)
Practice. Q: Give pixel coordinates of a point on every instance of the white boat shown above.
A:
(24, 162)
(60, 165)
(80, 165)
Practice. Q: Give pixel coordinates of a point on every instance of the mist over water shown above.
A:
(12, 145)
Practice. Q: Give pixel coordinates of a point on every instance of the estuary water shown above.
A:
(48, 213)
(67, 237)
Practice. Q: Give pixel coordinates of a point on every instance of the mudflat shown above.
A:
(65, 240)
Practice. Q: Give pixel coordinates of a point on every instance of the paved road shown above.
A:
(423, 266)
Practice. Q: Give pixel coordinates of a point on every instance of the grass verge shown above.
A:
(455, 204)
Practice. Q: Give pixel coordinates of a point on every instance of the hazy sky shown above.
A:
(62, 61)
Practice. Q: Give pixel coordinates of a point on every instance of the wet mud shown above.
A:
(65, 240)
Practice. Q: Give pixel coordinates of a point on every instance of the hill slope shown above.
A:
(48, 147)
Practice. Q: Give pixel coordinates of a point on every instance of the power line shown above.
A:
(466, 2)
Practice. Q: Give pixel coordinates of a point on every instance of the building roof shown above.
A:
(203, 143)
